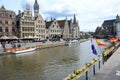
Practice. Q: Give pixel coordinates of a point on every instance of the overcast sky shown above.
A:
(89, 13)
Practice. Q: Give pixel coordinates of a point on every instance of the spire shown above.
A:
(36, 2)
(117, 18)
(36, 6)
(74, 20)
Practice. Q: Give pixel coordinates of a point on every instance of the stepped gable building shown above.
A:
(40, 28)
(53, 29)
(26, 23)
(7, 22)
(64, 25)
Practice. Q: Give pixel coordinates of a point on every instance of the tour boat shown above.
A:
(24, 50)
(68, 43)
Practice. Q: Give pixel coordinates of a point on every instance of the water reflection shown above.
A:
(46, 64)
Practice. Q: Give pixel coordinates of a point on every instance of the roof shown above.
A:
(48, 24)
(108, 22)
(61, 23)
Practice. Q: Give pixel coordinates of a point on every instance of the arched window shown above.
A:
(6, 29)
(0, 29)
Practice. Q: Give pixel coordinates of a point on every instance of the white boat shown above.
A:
(24, 50)
(69, 43)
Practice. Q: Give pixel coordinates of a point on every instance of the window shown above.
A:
(0, 29)
(38, 21)
(6, 22)
(0, 22)
(6, 29)
(13, 29)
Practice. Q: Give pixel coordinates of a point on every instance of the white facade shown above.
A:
(53, 29)
(40, 28)
(118, 29)
(117, 25)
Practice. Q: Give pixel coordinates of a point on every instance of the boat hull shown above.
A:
(24, 51)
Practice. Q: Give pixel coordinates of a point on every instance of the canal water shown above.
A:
(47, 64)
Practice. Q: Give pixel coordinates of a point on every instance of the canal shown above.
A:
(46, 64)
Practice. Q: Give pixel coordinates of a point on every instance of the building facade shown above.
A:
(26, 24)
(110, 28)
(64, 25)
(7, 22)
(40, 28)
(53, 29)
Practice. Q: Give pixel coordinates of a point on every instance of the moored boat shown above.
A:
(68, 43)
(24, 50)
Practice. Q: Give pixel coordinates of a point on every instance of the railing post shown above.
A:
(86, 73)
(93, 69)
(103, 58)
(99, 65)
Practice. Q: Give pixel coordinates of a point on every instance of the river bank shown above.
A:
(38, 45)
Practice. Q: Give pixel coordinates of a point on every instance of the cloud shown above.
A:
(59, 14)
(90, 13)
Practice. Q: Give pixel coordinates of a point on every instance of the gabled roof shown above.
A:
(48, 24)
(108, 22)
(61, 23)
(38, 17)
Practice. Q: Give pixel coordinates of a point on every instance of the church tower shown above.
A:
(36, 9)
(75, 28)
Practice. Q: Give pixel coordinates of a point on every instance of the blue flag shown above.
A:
(93, 49)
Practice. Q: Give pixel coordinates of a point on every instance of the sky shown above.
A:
(89, 13)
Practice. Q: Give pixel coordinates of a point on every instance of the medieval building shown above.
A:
(7, 22)
(25, 23)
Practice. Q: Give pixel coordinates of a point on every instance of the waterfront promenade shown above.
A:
(111, 69)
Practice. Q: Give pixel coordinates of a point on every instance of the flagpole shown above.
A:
(102, 54)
